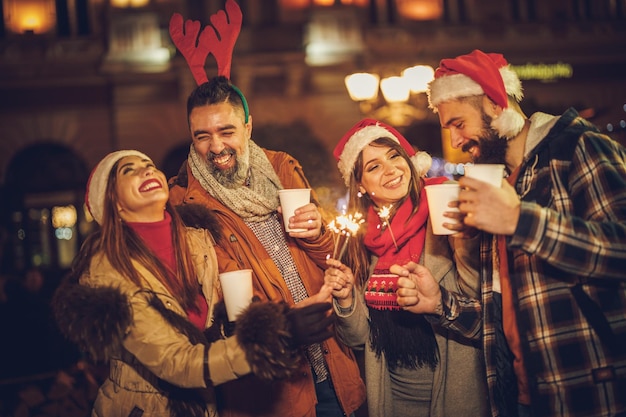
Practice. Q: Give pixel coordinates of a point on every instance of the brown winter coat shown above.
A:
(240, 249)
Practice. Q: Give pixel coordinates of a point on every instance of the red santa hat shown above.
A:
(99, 178)
(479, 73)
(365, 132)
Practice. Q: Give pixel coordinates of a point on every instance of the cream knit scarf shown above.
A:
(254, 203)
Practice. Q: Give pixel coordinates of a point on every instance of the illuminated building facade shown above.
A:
(80, 78)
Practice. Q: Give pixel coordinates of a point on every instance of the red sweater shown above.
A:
(158, 237)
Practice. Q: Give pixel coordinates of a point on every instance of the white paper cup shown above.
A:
(237, 290)
(439, 195)
(293, 199)
(489, 173)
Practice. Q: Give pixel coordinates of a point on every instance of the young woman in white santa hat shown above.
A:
(144, 296)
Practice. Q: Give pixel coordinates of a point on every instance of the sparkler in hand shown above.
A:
(345, 227)
(384, 213)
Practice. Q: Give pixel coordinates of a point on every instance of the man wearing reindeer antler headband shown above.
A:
(230, 174)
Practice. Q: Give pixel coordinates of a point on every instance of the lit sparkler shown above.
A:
(384, 213)
(345, 227)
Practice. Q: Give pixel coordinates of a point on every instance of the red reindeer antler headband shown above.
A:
(218, 39)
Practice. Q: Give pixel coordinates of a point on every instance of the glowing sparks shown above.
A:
(345, 227)
(384, 213)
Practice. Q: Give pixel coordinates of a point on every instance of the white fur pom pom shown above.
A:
(422, 162)
(509, 123)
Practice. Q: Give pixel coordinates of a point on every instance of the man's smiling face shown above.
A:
(470, 130)
(220, 136)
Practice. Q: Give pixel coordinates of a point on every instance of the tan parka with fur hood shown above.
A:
(160, 363)
(155, 358)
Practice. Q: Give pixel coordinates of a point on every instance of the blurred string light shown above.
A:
(64, 216)
(63, 233)
(63, 220)
(619, 127)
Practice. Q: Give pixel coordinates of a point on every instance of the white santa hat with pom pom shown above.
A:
(99, 178)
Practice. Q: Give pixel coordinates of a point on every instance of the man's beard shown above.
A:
(233, 177)
(492, 146)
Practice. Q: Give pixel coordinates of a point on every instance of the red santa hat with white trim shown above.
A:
(479, 73)
(362, 134)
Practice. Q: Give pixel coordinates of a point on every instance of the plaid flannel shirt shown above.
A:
(571, 235)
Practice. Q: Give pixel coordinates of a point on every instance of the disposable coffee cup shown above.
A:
(237, 290)
(293, 199)
(438, 196)
(489, 173)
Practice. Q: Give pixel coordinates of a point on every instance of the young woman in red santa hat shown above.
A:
(412, 365)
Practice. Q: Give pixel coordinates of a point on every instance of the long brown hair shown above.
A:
(357, 256)
(121, 245)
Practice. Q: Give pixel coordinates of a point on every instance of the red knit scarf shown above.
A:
(405, 339)
(409, 232)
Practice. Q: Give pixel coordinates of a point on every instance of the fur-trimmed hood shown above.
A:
(200, 217)
(77, 308)
(96, 318)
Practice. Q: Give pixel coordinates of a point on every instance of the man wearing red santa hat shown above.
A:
(553, 249)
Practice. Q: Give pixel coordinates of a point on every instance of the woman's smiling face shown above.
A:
(142, 190)
(386, 175)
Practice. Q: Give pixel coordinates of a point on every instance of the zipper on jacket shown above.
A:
(235, 243)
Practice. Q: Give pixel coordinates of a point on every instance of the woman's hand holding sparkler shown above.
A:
(344, 227)
(338, 276)
(341, 280)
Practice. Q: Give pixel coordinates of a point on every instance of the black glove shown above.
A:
(310, 324)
